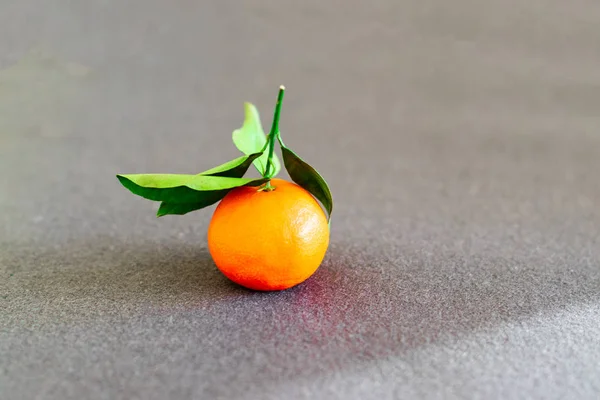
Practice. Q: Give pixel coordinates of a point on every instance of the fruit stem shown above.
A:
(273, 134)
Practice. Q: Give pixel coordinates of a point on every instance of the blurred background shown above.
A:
(460, 143)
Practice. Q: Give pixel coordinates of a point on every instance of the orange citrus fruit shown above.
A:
(268, 240)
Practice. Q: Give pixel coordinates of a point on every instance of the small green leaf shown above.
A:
(251, 139)
(233, 169)
(188, 192)
(307, 177)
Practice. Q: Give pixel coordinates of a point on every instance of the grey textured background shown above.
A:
(461, 143)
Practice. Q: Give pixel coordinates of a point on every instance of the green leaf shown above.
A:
(307, 177)
(172, 207)
(183, 193)
(233, 169)
(251, 139)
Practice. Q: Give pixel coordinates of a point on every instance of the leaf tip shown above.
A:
(249, 107)
(122, 178)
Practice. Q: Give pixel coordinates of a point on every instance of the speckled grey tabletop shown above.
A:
(461, 143)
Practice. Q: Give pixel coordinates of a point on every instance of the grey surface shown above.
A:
(461, 143)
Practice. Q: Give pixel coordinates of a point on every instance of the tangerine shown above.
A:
(268, 240)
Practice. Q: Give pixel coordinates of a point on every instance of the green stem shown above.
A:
(273, 134)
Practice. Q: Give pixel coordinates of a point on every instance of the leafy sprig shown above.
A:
(180, 194)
